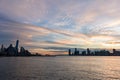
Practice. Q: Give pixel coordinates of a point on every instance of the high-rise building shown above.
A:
(76, 52)
(69, 51)
(11, 50)
(17, 44)
(22, 50)
(2, 48)
(88, 51)
(114, 51)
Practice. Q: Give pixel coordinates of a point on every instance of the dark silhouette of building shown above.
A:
(11, 51)
(17, 44)
(14, 51)
(88, 51)
(24, 52)
(95, 53)
(83, 53)
(76, 52)
(69, 52)
(116, 53)
(2, 50)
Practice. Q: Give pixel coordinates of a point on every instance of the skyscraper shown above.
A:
(69, 51)
(2, 48)
(17, 44)
(88, 51)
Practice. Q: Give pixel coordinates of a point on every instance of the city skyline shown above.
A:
(14, 50)
(89, 52)
(54, 26)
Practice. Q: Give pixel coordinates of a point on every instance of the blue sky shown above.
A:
(52, 26)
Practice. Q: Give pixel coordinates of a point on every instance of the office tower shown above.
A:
(88, 51)
(2, 48)
(114, 51)
(11, 50)
(69, 51)
(17, 44)
(76, 52)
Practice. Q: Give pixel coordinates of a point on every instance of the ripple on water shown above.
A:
(60, 68)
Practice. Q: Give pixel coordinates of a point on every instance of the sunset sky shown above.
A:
(53, 26)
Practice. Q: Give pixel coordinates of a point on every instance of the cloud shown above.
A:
(21, 9)
(44, 24)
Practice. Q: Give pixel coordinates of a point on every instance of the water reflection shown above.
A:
(60, 68)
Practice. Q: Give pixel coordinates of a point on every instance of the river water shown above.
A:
(60, 68)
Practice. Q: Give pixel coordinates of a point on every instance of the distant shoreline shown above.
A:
(56, 56)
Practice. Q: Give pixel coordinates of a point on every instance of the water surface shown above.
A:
(60, 68)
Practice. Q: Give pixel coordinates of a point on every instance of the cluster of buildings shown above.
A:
(88, 52)
(14, 50)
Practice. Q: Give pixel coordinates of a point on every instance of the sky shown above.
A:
(53, 26)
